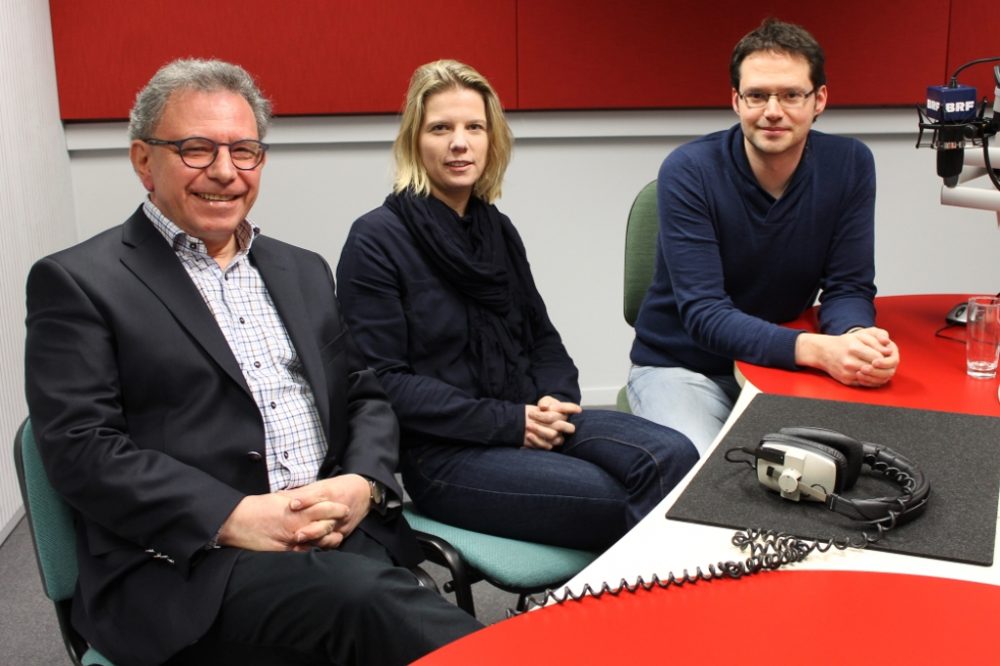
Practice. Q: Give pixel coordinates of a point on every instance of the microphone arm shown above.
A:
(966, 194)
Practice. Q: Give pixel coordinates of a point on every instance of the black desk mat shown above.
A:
(959, 453)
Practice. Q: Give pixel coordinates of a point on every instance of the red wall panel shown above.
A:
(642, 53)
(975, 33)
(309, 56)
(355, 56)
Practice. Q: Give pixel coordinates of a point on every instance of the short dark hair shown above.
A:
(780, 37)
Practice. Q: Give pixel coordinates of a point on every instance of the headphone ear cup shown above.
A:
(838, 458)
(852, 450)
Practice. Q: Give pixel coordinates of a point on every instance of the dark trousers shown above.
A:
(344, 606)
(584, 494)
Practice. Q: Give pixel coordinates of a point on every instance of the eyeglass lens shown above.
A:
(787, 98)
(199, 153)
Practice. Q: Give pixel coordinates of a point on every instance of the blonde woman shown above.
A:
(437, 291)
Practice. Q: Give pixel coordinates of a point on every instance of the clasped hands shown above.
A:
(546, 424)
(862, 357)
(320, 514)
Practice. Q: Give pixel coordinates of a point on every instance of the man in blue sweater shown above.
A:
(755, 222)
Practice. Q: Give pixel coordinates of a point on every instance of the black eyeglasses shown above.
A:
(198, 152)
(789, 99)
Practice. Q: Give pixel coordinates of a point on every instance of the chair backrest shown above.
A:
(51, 524)
(640, 249)
(49, 517)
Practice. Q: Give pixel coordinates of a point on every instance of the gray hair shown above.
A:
(194, 74)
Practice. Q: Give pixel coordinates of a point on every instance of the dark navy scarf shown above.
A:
(481, 257)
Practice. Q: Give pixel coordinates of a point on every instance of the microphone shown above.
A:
(950, 146)
(952, 107)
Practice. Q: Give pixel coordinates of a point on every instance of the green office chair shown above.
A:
(52, 533)
(521, 567)
(640, 257)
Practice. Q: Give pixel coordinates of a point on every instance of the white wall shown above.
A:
(568, 190)
(36, 207)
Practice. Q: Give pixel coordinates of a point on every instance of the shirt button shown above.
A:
(254, 456)
(274, 405)
(285, 455)
(256, 364)
(242, 320)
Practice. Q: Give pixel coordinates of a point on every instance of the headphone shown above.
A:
(818, 464)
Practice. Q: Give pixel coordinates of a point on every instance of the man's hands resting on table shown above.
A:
(861, 357)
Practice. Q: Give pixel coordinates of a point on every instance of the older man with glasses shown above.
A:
(755, 223)
(200, 404)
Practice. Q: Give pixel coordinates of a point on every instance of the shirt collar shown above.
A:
(738, 152)
(178, 238)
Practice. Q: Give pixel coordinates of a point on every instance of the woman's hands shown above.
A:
(546, 424)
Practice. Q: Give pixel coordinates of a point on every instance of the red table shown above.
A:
(826, 617)
(931, 371)
(792, 615)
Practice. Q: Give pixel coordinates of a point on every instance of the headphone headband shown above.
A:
(903, 508)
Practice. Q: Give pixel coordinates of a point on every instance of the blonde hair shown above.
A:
(431, 79)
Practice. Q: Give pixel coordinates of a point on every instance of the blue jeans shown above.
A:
(688, 401)
(584, 494)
